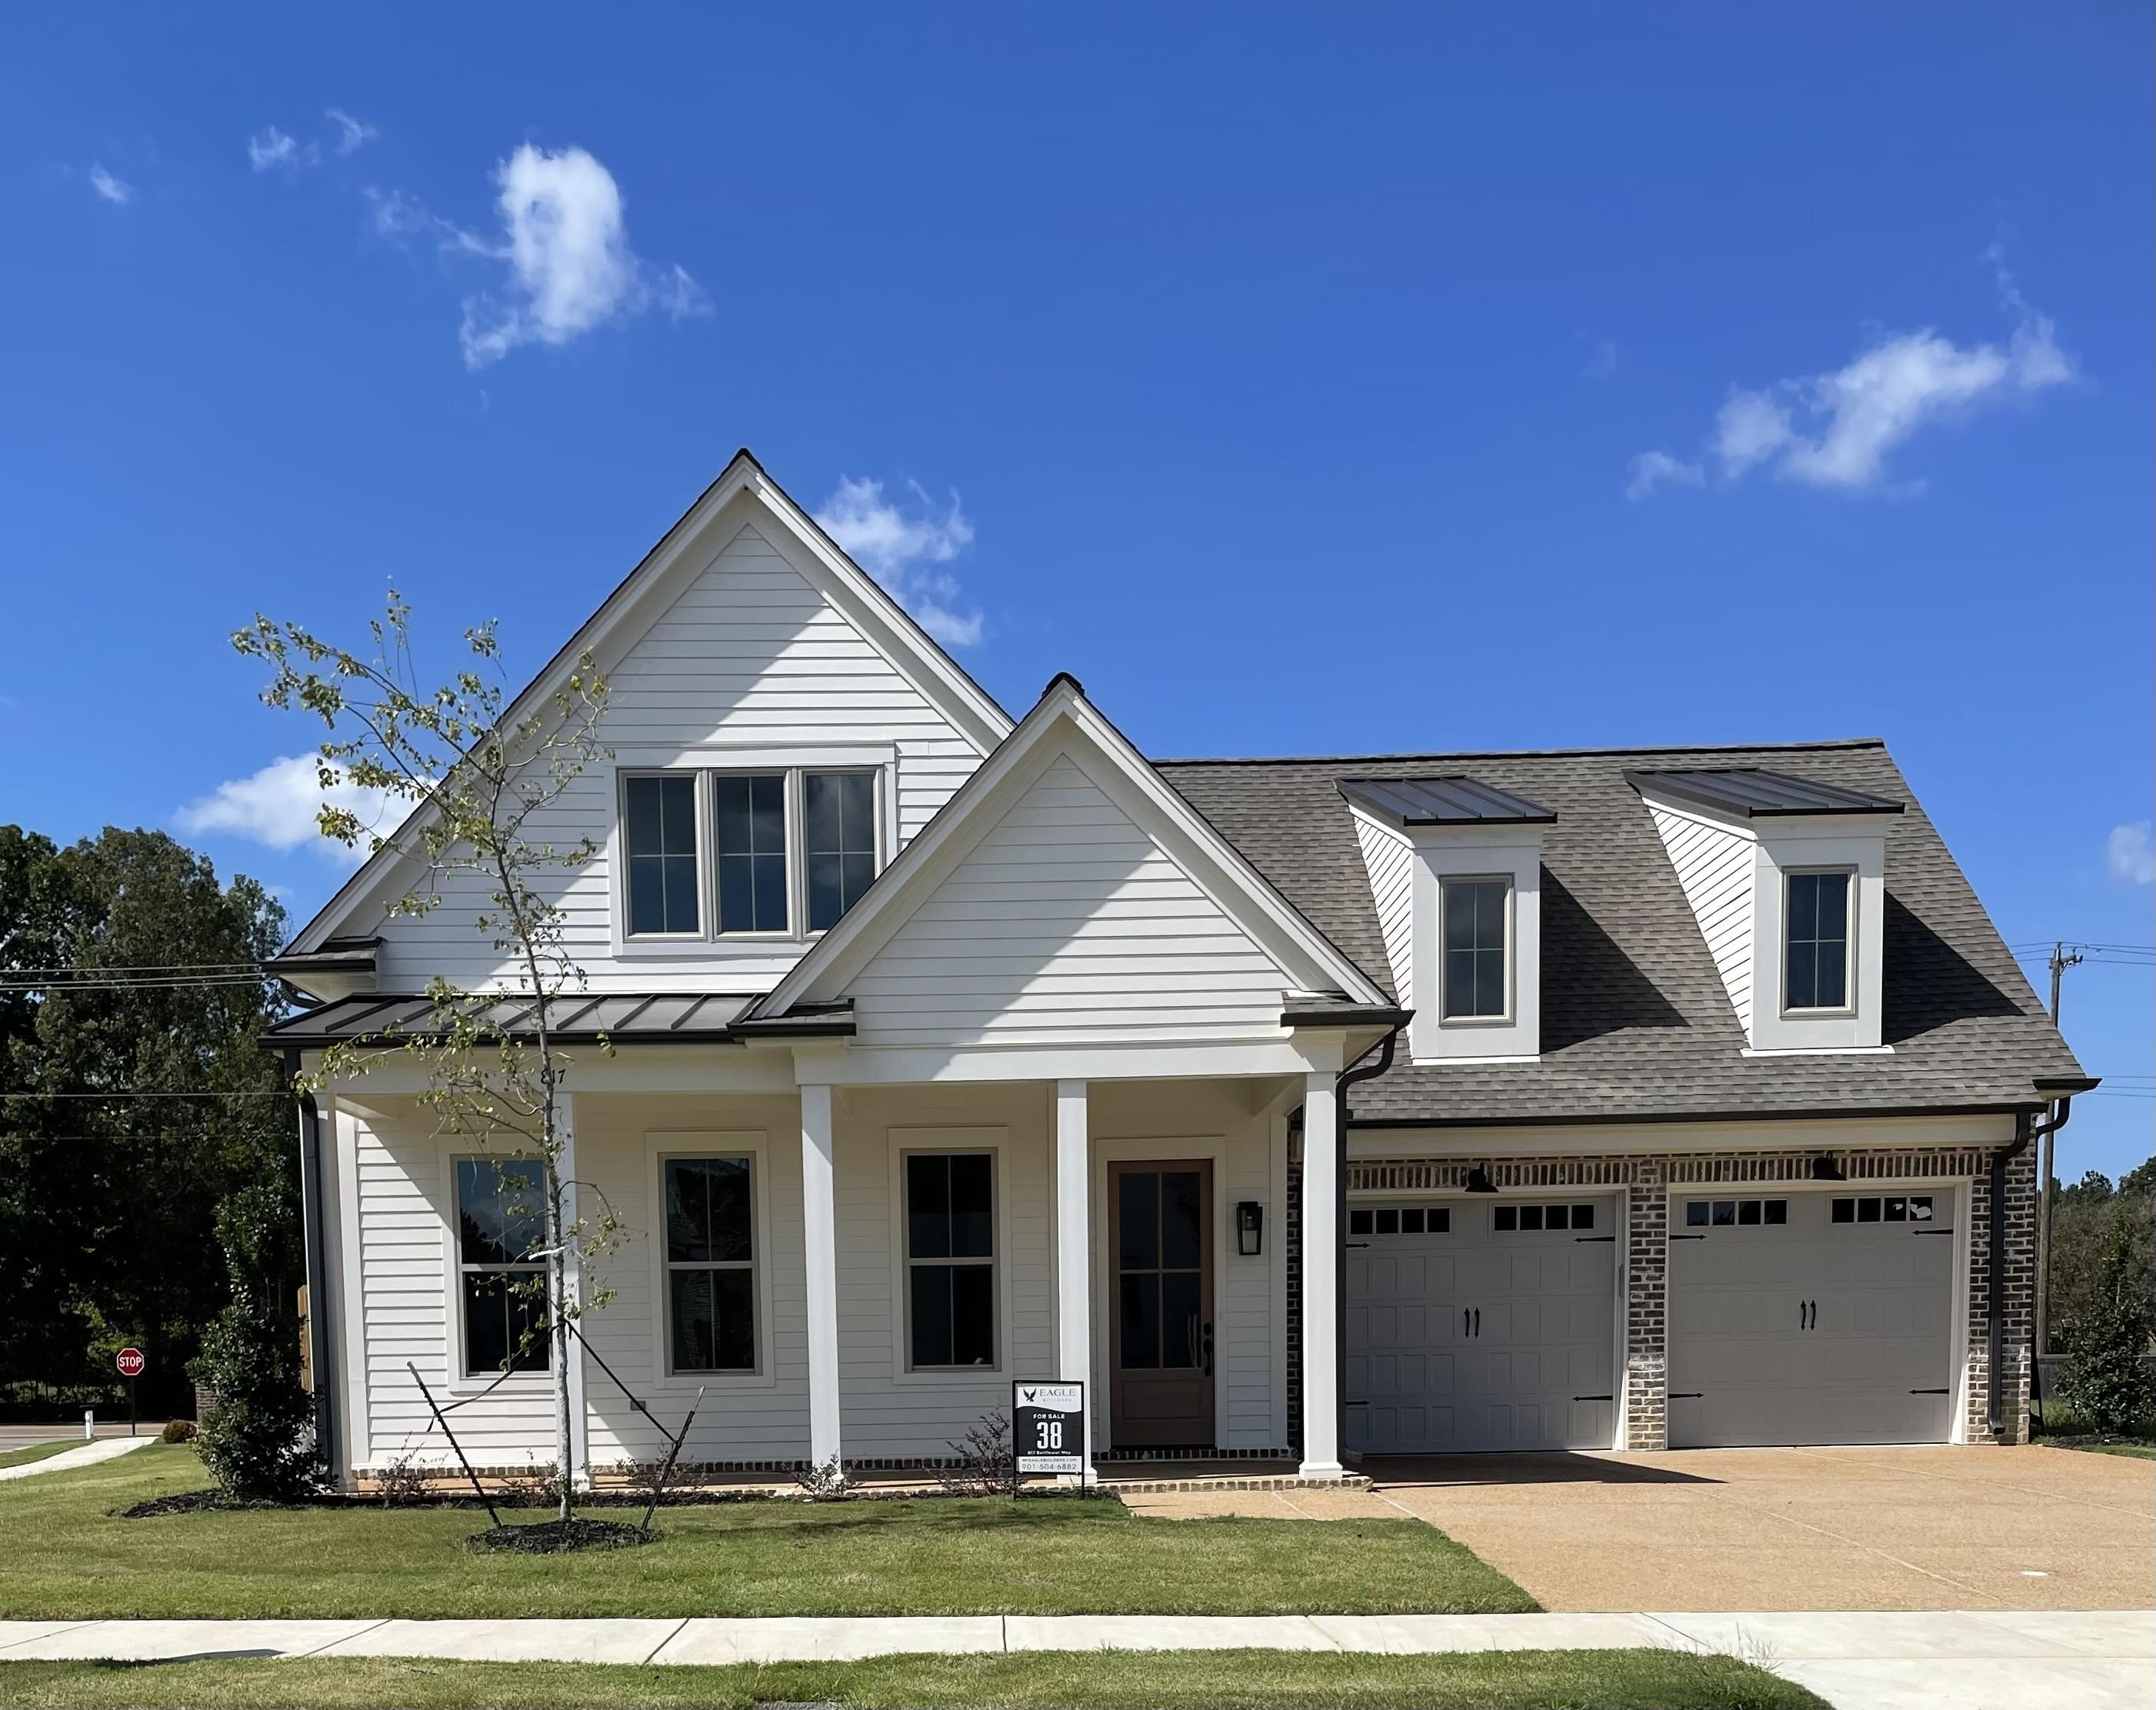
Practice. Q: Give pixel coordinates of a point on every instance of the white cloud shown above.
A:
(117, 191)
(277, 806)
(1837, 429)
(570, 266)
(1651, 470)
(898, 546)
(352, 134)
(272, 148)
(2132, 853)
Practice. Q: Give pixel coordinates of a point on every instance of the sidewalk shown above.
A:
(1881, 1660)
(89, 1455)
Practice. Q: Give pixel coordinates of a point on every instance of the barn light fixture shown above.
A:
(1825, 1170)
(1249, 1228)
(1479, 1182)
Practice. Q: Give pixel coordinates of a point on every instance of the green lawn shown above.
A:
(1119, 1679)
(69, 1555)
(36, 1451)
(2139, 1452)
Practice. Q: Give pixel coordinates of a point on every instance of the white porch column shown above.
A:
(576, 1452)
(820, 1241)
(1320, 1279)
(1074, 1247)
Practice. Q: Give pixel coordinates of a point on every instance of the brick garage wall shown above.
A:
(1649, 1178)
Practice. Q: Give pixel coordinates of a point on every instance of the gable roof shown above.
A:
(1063, 717)
(912, 651)
(1637, 1023)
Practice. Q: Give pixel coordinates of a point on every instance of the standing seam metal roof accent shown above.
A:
(1759, 794)
(1442, 801)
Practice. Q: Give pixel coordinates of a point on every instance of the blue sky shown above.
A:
(1306, 380)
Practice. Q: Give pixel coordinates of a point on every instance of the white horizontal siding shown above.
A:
(1389, 861)
(1715, 867)
(750, 653)
(1066, 920)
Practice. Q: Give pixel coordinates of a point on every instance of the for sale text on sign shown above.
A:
(1048, 1427)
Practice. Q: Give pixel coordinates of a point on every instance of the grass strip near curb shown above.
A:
(71, 1557)
(1114, 1680)
(36, 1451)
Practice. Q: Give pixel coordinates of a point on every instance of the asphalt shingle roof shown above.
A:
(1637, 1023)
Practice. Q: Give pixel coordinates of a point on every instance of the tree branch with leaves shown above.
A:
(480, 780)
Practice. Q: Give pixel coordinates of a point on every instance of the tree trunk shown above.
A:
(558, 1305)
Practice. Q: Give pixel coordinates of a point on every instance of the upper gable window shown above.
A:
(1815, 961)
(765, 854)
(1474, 977)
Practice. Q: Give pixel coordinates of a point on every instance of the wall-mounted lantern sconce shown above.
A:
(1479, 1182)
(1249, 1228)
(1825, 1170)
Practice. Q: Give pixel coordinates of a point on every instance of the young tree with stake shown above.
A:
(480, 796)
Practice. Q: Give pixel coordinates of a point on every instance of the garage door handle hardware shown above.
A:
(1931, 1231)
(1678, 1238)
(1478, 1320)
(1595, 1238)
(1359, 1244)
(1595, 1398)
(1927, 1392)
(1687, 1394)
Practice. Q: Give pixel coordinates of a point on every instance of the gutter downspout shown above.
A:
(2025, 1130)
(320, 1347)
(1355, 1071)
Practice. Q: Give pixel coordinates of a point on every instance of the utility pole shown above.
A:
(2062, 959)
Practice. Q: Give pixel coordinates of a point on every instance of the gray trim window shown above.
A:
(710, 1264)
(839, 840)
(500, 1223)
(748, 817)
(659, 832)
(1474, 952)
(1815, 938)
(949, 1260)
(1719, 1214)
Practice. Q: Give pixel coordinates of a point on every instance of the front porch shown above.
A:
(860, 1273)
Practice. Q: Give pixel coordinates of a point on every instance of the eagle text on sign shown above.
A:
(1048, 1427)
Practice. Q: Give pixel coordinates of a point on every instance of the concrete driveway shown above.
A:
(1720, 1529)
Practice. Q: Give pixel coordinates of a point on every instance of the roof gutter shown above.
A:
(2025, 1130)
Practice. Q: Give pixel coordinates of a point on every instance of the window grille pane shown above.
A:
(1182, 1242)
(840, 810)
(707, 1209)
(931, 1314)
(1778, 1211)
(1504, 1217)
(973, 1207)
(1531, 1217)
(973, 1314)
(1844, 1211)
(500, 1307)
(1389, 1221)
(1411, 1220)
(1474, 943)
(1138, 1219)
(1141, 1320)
(928, 1206)
(1440, 1220)
(1817, 951)
(750, 813)
(714, 1320)
(1582, 1217)
(1181, 1300)
(500, 1213)
(1358, 1222)
(1696, 1212)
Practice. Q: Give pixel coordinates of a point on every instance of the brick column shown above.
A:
(2018, 1293)
(1646, 1308)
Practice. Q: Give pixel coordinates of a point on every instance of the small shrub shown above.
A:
(402, 1484)
(2106, 1384)
(541, 1488)
(826, 1482)
(981, 1460)
(178, 1430)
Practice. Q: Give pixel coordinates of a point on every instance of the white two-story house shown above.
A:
(1306, 1109)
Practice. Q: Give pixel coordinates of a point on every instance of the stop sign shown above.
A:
(130, 1362)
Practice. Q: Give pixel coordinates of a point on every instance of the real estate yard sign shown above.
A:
(1047, 1428)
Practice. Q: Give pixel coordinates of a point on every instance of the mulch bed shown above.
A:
(557, 1538)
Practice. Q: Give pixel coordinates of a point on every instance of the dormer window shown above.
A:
(1815, 959)
(1474, 975)
(719, 855)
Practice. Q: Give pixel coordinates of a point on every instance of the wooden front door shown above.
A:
(1161, 1388)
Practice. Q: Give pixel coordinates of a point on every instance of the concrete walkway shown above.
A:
(89, 1455)
(2030, 1660)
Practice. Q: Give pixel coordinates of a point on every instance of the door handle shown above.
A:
(1478, 1323)
(1466, 1323)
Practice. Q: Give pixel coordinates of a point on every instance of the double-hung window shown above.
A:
(1474, 975)
(501, 1224)
(1816, 950)
(950, 1259)
(777, 853)
(711, 1265)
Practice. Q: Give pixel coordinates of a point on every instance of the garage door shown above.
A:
(1811, 1318)
(1481, 1324)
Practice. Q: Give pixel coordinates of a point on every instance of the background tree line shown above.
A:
(2090, 1220)
(136, 1106)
